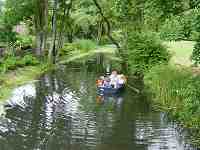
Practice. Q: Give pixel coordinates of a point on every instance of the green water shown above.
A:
(62, 111)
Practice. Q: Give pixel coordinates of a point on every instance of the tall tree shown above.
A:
(67, 6)
(41, 25)
(52, 50)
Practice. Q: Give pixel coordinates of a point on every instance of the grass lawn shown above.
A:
(181, 51)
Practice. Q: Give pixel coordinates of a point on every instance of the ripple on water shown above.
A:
(61, 112)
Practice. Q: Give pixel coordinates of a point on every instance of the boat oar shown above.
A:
(133, 88)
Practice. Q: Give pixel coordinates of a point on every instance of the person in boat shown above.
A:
(113, 79)
(107, 82)
(100, 81)
(121, 80)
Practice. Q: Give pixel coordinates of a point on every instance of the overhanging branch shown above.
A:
(108, 25)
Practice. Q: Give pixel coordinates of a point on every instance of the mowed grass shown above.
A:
(181, 52)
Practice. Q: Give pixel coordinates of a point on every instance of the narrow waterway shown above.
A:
(61, 111)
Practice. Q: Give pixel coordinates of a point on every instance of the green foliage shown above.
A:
(28, 60)
(178, 91)
(171, 30)
(24, 41)
(196, 52)
(67, 49)
(12, 62)
(145, 51)
(180, 27)
(86, 45)
(80, 46)
(104, 40)
(9, 63)
(17, 11)
(7, 35)
(169, 7)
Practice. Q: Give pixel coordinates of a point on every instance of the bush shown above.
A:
(145, 51)
(68, 49)
(9, 63)
(28, 60)
(80, 46)
(178, 91)
(104, 40)
(24, 41)
(172, 30)
(180, 27)
(7, 36)
(86, 45)
(12, 62)
(196, 52)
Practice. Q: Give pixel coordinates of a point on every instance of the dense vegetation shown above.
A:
(42, 31)
(176, 90)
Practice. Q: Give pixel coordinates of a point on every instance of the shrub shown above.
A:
(104, 40)
(196, 52)
(172, 30)
(145, 51)
(86, 45)
(178, 91)
(28, 60)
(24, 41)
(9, 63)
(68, 49)
(7, 36)
(80, 46)
(12, 62)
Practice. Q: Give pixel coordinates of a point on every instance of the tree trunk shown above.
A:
(41, 26)
(52, 50)
(66, 13)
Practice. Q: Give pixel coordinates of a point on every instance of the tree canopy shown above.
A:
(103, 21)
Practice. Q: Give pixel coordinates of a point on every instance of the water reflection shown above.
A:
(63, 111)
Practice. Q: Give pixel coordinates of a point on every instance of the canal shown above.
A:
(62, 111)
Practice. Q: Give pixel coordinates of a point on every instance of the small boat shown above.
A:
(110, 90)
(104, 84)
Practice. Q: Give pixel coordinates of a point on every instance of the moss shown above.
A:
(11, 80)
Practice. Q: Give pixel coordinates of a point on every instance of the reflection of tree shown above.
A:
(64, 115)
(120, 133)
(29, 123)
(26, 123)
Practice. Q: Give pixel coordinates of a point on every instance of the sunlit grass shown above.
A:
(109, 51)
(181, 51)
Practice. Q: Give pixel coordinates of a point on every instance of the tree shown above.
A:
(41, 25)
(52, 50)
(22, 11)
(65, 17)
(145, 50)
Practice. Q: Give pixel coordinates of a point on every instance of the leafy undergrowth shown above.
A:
(11, 62)
(77, 47)
(176, 90)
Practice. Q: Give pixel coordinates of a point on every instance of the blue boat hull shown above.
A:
(109, 90)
